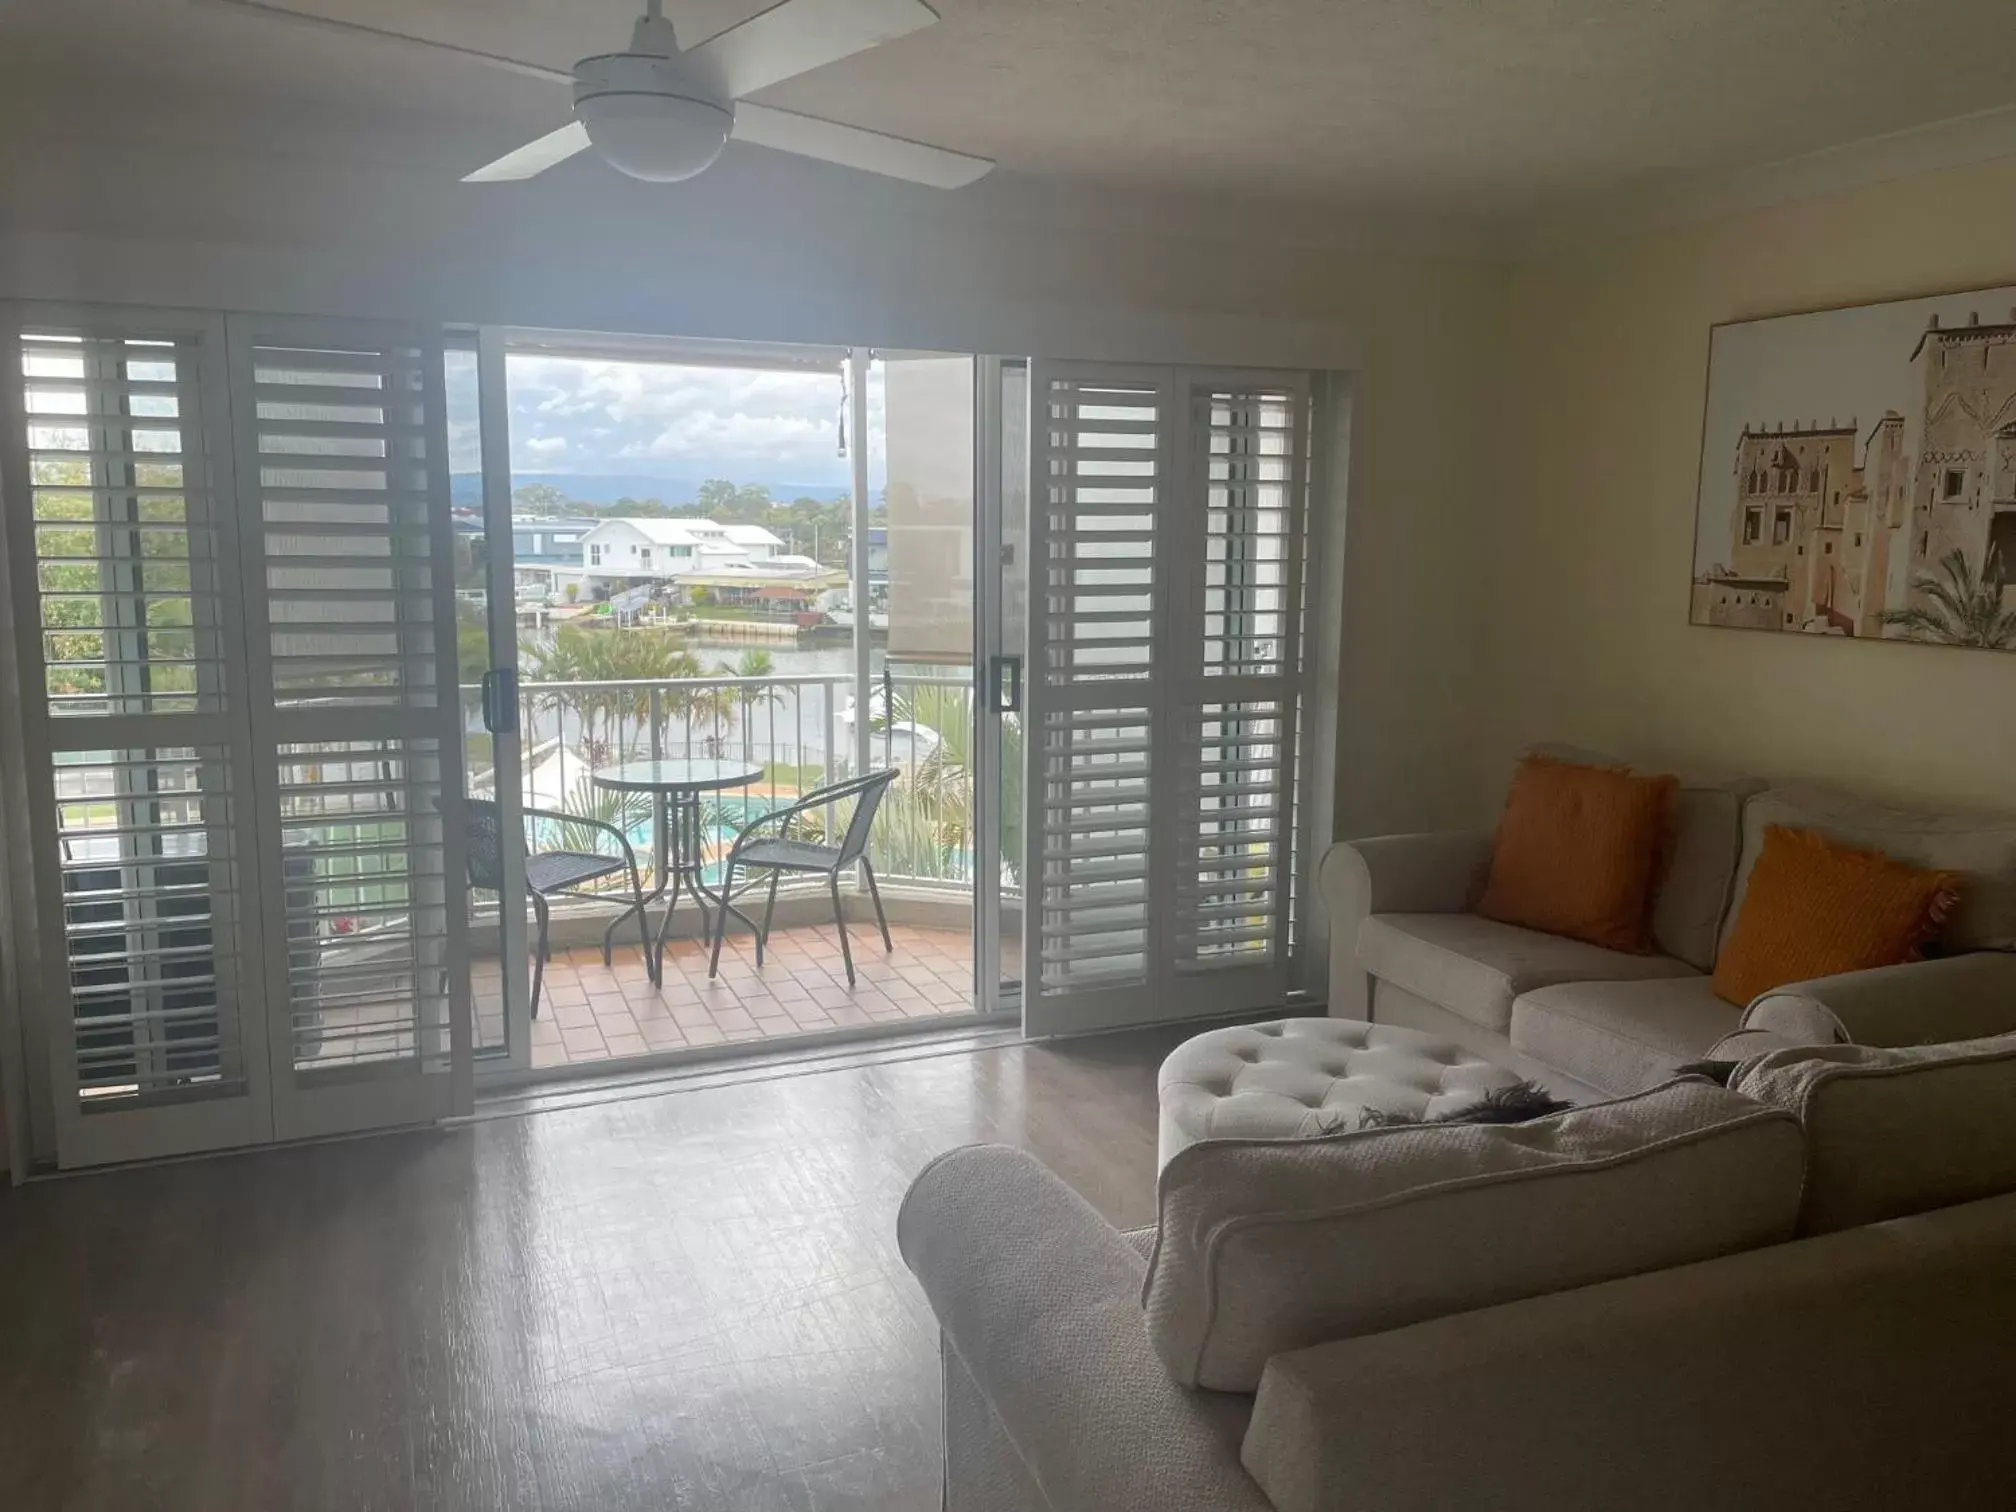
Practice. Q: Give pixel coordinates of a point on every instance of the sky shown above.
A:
(572, 415)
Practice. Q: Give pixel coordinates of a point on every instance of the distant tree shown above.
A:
(639, 509)
(715, 494)
(740, 503)
(472, 641)
(1962, 607)
(540, 498)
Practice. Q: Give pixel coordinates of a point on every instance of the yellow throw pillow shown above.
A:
(1579, 851)
(1815, 908)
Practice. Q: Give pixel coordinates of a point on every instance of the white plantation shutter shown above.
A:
(1164, 691)
(130, 758)
(350, 616)
(1100, 563)
(227, 543)
(1238, 724)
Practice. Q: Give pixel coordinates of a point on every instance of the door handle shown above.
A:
(500, 701)
(1004, 684)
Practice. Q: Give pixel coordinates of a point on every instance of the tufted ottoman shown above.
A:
(1310, 1076)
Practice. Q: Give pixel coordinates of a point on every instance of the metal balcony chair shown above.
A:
(779, 854)
(555, 874)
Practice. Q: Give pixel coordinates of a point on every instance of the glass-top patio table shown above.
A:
(675, 784)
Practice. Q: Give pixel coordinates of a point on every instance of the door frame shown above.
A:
(991, 995)
(507, 751)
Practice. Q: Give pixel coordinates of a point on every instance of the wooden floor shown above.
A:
(681, 1300)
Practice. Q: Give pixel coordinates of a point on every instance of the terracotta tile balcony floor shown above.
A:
(589, 1012)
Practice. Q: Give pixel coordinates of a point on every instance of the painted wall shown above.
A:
(1590, 528)
(177, 210)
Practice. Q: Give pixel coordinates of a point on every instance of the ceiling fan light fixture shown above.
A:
(648, 116)
(659, 138)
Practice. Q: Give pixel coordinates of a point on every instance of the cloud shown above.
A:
(638, 417)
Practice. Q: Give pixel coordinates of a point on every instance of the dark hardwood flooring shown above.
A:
(688, 1299)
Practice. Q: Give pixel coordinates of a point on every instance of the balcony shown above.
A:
(801, 731)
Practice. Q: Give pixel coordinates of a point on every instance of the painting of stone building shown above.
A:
(1858, 473)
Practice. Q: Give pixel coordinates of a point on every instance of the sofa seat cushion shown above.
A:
(1475, 967)
(1891, 1132)
(1622, 1036)
(1272, 1245)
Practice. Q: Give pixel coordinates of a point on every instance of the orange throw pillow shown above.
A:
(1579, 851)
(1814, 908)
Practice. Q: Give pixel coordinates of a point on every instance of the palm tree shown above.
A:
(1962, 607)
(605, 715)
(724, 703)
(628, 811)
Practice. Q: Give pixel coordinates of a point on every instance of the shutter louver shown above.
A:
(344, 497)
(365, 896)
(150, 904)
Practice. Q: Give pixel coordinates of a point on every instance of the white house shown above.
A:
(640, 548)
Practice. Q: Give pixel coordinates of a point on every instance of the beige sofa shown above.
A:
(1593, 1022)
(1792, 1293)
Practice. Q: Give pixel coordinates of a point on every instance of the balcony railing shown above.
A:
(799, 729)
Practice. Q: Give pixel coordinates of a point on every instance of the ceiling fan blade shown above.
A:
(535, 156)
(379, 34)
(796, 36)
(873, 151)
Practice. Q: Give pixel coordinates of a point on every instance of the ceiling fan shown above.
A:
(661, 113)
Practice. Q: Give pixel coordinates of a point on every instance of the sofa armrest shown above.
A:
(1437, 872)
(1041, 1299)
(1919, 1003)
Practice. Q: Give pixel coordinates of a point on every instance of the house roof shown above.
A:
(694, 532)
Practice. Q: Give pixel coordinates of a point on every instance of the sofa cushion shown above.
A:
(1265, 1246)
(1814, 908)
(1982, 849)
(1578, 850)
(1893, 1132)
(1707, 839)
(1621, 1036)
(1475, 967)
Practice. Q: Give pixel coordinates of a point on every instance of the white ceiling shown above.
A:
(1486, 108)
